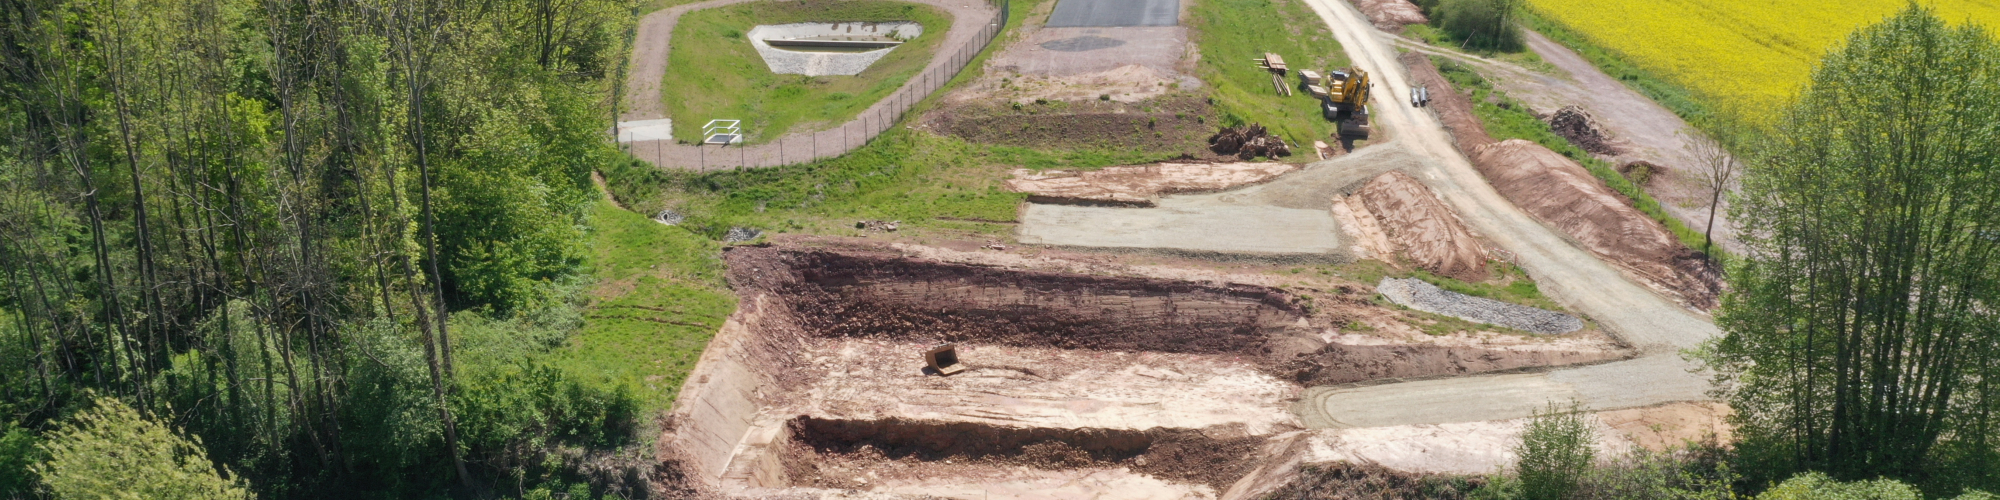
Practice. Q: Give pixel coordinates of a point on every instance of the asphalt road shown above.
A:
(1658, 327)
(1114, 13)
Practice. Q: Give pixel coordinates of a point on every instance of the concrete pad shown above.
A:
(1110, 13)
(822, 63)
(1223, 229)
(646, 130)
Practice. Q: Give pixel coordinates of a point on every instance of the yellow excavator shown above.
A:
(1346, 101)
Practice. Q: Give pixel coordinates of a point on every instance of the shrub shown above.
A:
(1555, 453)
(110, 452)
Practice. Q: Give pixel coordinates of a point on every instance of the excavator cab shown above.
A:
(1346, 101)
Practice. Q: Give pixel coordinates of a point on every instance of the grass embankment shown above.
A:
(1231, 33)
(714, 73)
(658, 298)
(930, 182)
(1506, 118)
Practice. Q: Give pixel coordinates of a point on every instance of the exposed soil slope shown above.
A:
(1391, 15)
(1426, 231)
(1454, 109)
(1139, 185)
(1564, 195)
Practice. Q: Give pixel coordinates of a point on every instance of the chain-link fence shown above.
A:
(802, 147)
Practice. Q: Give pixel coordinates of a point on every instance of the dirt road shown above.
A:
(1642, 129)
(1649, 322)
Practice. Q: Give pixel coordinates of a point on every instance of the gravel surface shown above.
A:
(1416, 294)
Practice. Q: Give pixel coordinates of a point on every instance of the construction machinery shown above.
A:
(1346, 101)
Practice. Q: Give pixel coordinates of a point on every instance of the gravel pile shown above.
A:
(670, 217)
(1416, 294)
(799, 62)
(740, 234)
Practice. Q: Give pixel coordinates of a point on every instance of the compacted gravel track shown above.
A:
(1655, 325)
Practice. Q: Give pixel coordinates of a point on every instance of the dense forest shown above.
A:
(260, 224)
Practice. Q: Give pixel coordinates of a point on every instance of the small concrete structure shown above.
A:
(646, 130)
(837, 44)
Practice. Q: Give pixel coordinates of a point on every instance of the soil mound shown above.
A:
(1169, 124)
(1139, 185)
(1427, 232)
(1249, 141)
(1453, 108)
(1564, 195)
(1391, 15)
(1574, 124)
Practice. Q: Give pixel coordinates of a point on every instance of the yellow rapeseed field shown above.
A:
(1755, 53)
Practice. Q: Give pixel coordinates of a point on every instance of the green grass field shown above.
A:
(714, 73)
(1230, 33)
(658, 299)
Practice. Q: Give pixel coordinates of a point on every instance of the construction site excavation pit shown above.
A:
(821, 49)
(1075, 385)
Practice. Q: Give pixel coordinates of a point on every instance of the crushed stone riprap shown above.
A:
(822, 63)
(1416, 294)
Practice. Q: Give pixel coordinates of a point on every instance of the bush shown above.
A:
(1555, 453)
(1480, 24)
(1700, 471)
(17, 454)
(110, 452)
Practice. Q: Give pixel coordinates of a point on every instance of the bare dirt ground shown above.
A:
(1140, 185)
(1423, 228)
(1128, 380)
(1084, 88)
(1391, 15)
(1639, 129)
(1656, 325)
(1561, 193)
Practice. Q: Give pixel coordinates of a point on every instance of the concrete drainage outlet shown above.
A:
(821, 49)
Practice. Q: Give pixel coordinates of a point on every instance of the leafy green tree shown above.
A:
(1555, 453)
(1480, 24)
(1817, 486)
(110, 452)
(1861, 338)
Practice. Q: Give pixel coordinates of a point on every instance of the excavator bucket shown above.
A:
(944, 359)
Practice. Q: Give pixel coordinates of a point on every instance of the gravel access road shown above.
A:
(1642, 129)
(1655, 325)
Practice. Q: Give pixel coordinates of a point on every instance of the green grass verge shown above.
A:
(1440, 38)
(714, 73)
(1506, 118)
(925, 180)
(1230, 33)
(659, 298)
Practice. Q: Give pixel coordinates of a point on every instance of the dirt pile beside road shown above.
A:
(1391, 15)
(1573, 123)
(1426, 231)
(1452, 107)
(1140, 185)
(1564, 195)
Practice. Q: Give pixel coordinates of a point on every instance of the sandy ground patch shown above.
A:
(1426, 231)
(1562, 194)
(1139, 185)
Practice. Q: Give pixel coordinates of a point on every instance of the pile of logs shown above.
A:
(1248, 142)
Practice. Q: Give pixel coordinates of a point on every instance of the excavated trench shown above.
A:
(830, 452)
(841, 294)
(1151, 387)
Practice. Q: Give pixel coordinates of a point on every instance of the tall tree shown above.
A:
(1860, 339)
